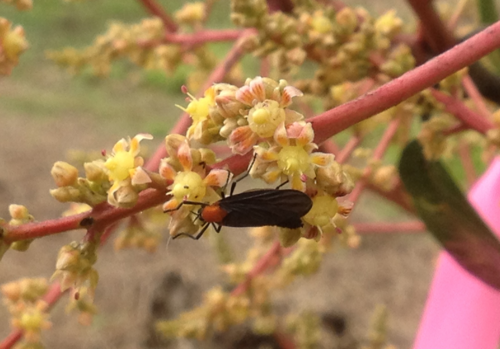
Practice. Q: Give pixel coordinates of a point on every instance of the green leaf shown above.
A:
(449, 216)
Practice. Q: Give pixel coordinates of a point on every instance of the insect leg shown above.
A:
(282, 184)
(186, 203)
(217, 227)
(194, 237)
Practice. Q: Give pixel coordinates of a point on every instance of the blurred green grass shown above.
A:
(131, 98)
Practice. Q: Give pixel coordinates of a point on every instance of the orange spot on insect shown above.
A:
(213, 213)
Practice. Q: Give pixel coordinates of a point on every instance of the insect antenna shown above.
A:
(197, 236)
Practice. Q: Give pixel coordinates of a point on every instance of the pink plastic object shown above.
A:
(461, 311)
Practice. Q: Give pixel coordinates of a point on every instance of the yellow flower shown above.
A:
(293, 156)
(269, 101)
(122, 166)
(189, 183)
(199, 110)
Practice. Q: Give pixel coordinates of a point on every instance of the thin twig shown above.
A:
(103, 215)
(264, 262)
(392, 227)
(435, 31)
(378, 153)
(475, 95)
(469, 117)
(156, 10)
(346, 152)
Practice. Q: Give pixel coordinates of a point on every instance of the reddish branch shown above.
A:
(203, 36)
(475, 95)
(329, 146)
(340, 118)
(156, 10)
(102, 215)
(393, 227)
(377, 155)
(469, 117)
(348, 149)
(264, 262)
(435, 31)
(396, 195)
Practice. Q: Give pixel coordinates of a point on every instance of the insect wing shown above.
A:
(256, 208)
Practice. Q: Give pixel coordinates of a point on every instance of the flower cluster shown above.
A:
(74, 267)
(243, 116)
(117, 180)
(185, 166)
(29, 313)
(256, 117)
(20, 215)
(130, 41)
(12, 44)
(221, 310)
(348, 44)
(191, 13)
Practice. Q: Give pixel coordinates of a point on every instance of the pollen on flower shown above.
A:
(188, 185)
(265, 117)
(293, 159)
(119, 165)
(198, 109)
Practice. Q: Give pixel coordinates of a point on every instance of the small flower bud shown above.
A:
(64, 174)
(66, 194)
(19, 212)
(191, 13)
(95, 172)
(22, 245)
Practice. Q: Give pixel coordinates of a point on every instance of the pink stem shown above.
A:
(393, 227)
(436, 34)
(469, 117)
(155, 9)
(378, 153)
(102, 215)
(264, 262)
(475, 95)
(329, 147)
(346, 152)
(203, 36)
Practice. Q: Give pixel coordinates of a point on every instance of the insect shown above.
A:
(252, 208)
